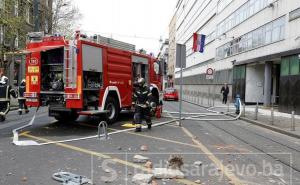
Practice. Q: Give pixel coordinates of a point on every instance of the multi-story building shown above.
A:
(172, 51)
(164, 57)
(253, 45)
(35, 15)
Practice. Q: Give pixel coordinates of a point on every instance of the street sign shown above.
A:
(209, 74)
(180, 56)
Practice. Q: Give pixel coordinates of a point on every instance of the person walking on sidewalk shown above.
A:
(225, 92)
(141, 102)
(21, 99)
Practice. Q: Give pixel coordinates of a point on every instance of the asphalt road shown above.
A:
(231, 152)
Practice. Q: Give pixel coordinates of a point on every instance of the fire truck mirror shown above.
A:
(156, 67)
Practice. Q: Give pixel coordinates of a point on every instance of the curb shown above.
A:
(273, 128)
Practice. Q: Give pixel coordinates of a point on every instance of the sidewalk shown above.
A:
(282, 121)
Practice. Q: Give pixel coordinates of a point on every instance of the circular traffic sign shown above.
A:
(209, 71)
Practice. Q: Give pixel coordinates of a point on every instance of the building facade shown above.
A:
(253, 45)
(34, 15)
(172, 51)
(163, 56)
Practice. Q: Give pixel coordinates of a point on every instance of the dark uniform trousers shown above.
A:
(21, 99)
(141, 101)
(5, 93)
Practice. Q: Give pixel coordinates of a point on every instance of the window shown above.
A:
(1, 34)
(264, 35)
(27, 14)
(294, 65)
(268, 34)
(241, 14)
(290, 65)
(17, 41)
(2, 4)
(222, 4)
(16, 8)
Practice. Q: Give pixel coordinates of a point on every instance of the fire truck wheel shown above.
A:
(2, 118)
(112, 106)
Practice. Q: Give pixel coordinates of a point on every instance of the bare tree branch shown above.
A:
(66, 17)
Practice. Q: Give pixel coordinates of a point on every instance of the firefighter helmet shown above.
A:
(141, 81)
(4, 80)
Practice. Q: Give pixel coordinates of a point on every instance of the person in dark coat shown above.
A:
(141, 101)
(21, 98)
(5, 92)
(225, 92)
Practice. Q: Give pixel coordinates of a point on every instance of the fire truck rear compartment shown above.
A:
(52, 70)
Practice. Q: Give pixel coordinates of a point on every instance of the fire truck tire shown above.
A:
(112, 106)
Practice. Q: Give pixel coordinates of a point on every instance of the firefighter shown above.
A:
(21, 99)
(5, 92)
(141, 102)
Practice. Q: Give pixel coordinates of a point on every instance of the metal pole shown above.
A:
(293, 126)
(227, 107)
(244, 110)
(180, 103)
(272, 115)
(256, 111)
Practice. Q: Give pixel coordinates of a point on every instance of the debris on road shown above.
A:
(175, 162)
(68, 178)
(165, 173)
(144, 148)
(198, 163)
(149, 165)
(24, 179)
(198, 182)
(140, 159)
(107, 171)
(142, 178)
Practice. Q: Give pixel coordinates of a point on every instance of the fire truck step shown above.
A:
(92, 112)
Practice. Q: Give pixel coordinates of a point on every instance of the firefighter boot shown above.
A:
(138, 128)
(149, 125)
(2, 118)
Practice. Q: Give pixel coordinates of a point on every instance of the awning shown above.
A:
(41, 49)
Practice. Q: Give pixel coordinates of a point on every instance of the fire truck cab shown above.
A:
(86, 76)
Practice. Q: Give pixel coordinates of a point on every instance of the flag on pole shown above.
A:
(199, 42)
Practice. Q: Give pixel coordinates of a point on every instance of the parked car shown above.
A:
(171, 94)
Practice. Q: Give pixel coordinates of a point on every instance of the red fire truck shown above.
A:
(86, 76)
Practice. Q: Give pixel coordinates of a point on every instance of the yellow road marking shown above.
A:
(235, 180)
(128, 125)
(90, 152)
(24, 133)
(147, 136)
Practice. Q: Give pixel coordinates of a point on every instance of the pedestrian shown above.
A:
(141, 102)
(21, 99)
(5, 92)
(225, 92)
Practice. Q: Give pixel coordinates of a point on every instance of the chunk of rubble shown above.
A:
(149, 165)
(142, 178)
(198, 163)
(144, 148)
(166, 173)
(140, 159)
